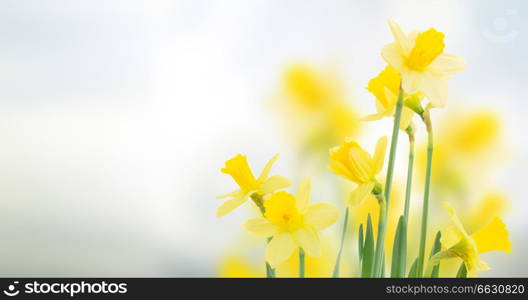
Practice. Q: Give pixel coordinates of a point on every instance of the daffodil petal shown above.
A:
(308, 239)
(373, 117)
(458, 229)
(411, 81)
(362, 164)
(379, 154)
(435, 89)
(406, 118)
(279, 249)
(321, 215)
(303, 195)
(233, 194)
(447, 65)
(260, 227)
(493, 237)
(267, 168)
(274, 183)
(400, 38)
(361, 193)
(392, 56)
(230, 205)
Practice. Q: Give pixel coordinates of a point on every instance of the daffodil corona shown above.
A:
(238, 168)
(292, 223)
(351, 162)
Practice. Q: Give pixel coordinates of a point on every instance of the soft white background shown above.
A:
(116, 116)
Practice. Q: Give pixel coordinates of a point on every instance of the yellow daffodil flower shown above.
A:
(292, 223)
(386, 87)
(351, 162)
(458, 243)
(422, 63)
(238, 168)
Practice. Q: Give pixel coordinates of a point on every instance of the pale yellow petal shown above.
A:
(274, 183)
(361, 164)
(406, 118)
(435, 89)
(361, 193)
(308, 239)
(392, 56)
(279, 249)
(411, 81)
(321, 215)
(493, 237)
(230, 205)
(303, 195)
(233, 194)
(450, 236)
(373, 117)
(447, 65)
(260, 227)
(267, 168)
(379, 154)
(458, 227)
(400, 38)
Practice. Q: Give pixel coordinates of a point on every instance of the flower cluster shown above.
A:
(414, 81)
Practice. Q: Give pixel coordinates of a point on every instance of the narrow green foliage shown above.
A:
(413, 270)
(437, 246)
(361, 242)
(270, 272)
(368, 251)
(343, 236)
(462, 271)
(399, 250)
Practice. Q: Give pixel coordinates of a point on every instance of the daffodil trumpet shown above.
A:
(427, 186)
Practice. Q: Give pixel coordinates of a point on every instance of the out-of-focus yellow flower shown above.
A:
(238, 168)
(489, 206)
(422, 63)
(466, 140)
(293, 223)
(386, 87)
(458, 243)
(234, 266)
(355, 164)
(315, 108)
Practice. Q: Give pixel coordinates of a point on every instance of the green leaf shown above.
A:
(399, 250)
(382, 275)
(335, 274)
(368, 251)
(361, 242)
(462, 271)
(437, 246)
(414, 269)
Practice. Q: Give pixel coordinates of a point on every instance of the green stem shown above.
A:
(408, 187)
(425, 208)
(259, 201)
(343, 235)
(301, 263)
(382, 225)
(378, 258)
